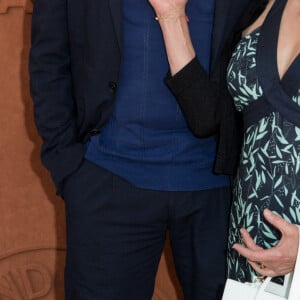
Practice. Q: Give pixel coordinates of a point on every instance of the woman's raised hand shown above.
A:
(166, 8)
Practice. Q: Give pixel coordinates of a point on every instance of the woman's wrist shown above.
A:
(170, 10)
(178, 43)
(171, 14)
(171, 17)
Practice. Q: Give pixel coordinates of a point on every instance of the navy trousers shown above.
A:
(116, 233)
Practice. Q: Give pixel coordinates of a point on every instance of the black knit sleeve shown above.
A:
(199, 98)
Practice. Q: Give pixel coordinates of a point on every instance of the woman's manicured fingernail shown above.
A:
(268, 213)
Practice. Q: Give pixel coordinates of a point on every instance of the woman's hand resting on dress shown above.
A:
(275, 261)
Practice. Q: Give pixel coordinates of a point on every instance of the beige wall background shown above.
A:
(32, 225)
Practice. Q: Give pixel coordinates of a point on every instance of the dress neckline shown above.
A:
(277, 91)
(251, 33)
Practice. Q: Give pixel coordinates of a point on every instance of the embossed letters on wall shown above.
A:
(6, 4)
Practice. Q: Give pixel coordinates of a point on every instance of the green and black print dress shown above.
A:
(269, 169)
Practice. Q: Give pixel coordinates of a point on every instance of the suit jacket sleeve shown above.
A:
(51, 89)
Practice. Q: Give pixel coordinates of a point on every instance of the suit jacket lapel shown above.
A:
(116, 12)
(221, 14)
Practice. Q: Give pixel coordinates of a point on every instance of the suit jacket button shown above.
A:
(94, 131)
(112, 86)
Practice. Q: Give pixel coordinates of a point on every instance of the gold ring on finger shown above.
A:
(261, 265)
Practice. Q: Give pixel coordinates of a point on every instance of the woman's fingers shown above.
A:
(275, 261)
(248, 241)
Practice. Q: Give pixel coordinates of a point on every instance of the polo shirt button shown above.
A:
(112, 86)
(94, 131)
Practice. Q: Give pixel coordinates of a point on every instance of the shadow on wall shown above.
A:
(32, 224)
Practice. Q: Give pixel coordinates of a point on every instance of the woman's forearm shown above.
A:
(172, 19)
(179, 47)
(196, 94)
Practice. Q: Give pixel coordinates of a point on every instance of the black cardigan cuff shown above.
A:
(183, 79)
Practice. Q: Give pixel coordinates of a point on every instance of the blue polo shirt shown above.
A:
(146, 141)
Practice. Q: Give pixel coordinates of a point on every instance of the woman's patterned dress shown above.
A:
(269, 169)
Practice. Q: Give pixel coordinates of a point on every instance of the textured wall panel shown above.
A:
(32, 226)
(32, 237)
(6, 4)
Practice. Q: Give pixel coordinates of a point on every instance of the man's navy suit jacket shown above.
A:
(74, 68)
